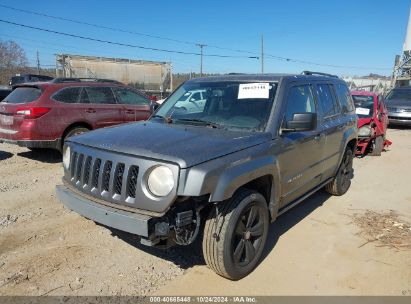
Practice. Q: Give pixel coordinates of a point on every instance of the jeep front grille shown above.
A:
(103, 176)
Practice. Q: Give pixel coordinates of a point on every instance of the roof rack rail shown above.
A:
(318, 73)
(72, 79)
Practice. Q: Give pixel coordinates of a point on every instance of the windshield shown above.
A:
(23, 95)
(16, 79)
(230, 105)
(399, 94)
(364, 105)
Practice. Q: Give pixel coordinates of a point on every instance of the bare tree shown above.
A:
(12, 60)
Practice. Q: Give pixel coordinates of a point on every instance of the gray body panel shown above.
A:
(217, 162)
(112, 217)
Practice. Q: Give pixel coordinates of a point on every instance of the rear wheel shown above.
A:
(377, 146)
(75, 131)
(234, 238)
(342, 181)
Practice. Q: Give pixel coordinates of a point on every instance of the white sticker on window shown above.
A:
(253, 90)
(362, 111)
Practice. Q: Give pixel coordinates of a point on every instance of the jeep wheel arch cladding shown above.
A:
(222, 177)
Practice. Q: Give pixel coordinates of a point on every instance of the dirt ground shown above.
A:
(357, 244)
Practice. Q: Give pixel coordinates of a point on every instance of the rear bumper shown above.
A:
(119, 219)
(47, 144)
(399, 121)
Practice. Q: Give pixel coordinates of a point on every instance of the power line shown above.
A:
(268, 56)
(119, 29)
(123, 44)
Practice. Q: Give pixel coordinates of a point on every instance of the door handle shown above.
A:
(90, 110)
(130, 112)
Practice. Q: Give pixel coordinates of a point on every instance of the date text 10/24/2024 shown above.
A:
(203, 299)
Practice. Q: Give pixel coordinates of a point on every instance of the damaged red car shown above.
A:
(372, 123)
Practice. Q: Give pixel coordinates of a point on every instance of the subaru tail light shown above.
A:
(32, 112)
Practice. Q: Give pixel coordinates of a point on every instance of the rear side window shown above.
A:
(100, 95)
(23, 95)
(344, 97)
(67, 95)
(126, 96)
(300, 100)
(327, 101)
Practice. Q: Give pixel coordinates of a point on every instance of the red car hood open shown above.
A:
(364, 121)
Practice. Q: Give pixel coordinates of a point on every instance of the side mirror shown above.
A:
(301, 122)
(154, 106)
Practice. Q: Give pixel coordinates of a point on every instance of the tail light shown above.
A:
(32, 112)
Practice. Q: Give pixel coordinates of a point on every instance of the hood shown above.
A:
(364, 121)
(403, 103)
(185, 145)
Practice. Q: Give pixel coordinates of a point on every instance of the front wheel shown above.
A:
(377, 146)
(342, 181)
(235, 234)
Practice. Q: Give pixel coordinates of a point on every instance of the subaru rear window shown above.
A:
(67, 95)
(23, 95)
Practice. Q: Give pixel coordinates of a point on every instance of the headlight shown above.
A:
(66, 157)
(160, 181)
(364, 131)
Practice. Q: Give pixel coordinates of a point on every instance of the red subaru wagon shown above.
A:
(44, 114)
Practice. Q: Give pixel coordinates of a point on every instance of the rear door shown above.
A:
(135, 106)
(332, 125)
(102, 108)
(302, 154)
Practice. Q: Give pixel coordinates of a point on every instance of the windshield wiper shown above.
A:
(200, 122)
(166, 119)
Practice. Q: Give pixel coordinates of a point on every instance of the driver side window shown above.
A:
(299, 100)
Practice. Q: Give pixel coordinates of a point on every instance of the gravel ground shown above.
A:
(325, 246)
(47, 249)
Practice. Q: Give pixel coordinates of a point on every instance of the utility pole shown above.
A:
(262, 54)
(201, 57)
(38, 63)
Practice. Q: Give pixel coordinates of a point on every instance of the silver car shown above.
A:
(398, 103)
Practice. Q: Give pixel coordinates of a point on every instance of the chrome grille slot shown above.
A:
(73, 164)
(118, 178)
(79, 167)
(106, 175)
(87, 168)
(96, 173)
(132, 181)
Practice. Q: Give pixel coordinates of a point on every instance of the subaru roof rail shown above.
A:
(318, 73)
(71, 79)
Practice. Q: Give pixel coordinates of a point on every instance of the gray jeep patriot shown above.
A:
(220, 170)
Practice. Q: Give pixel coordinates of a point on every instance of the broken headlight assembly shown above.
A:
(364, 131)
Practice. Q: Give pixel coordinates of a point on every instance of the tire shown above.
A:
(377, 146)
(233, 230)
(342, 181)
(75, 131)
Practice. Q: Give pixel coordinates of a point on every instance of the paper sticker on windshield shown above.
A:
(253, 90)
(362, 111)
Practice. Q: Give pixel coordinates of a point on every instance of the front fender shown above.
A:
(240, 174)
(220, 178)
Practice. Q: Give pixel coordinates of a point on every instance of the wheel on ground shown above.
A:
(342, 181)
(235, 233)
(75, 131)
(377, 146)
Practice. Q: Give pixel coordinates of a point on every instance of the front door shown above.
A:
(301, 159)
